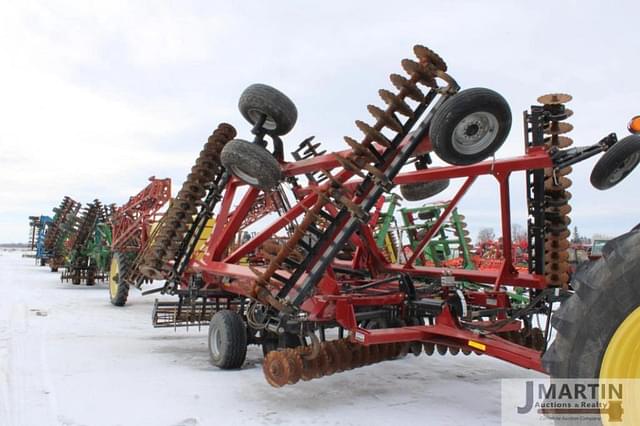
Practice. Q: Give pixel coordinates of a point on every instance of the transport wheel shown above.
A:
(75, 278)
(118, 289)
(598, 327)
(427, 215)
(616, 163)
(91, 277)
(227, 340)
(42, 262)
(251, 163)
(259, 99)
(470, 126)
(54, 269)
(423, 190)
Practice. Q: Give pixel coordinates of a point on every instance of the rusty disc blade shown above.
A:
(554, 98)
(308, 369)
(562, 183)
(427, 55)
(295, 366)
(387, 119)
(428, 348)
(557, 244)
(276, 369)
(564, 141)
(558, 128)
(366, 355)
(331, 355)
(395, 102)
(322, 363)
(556, 256)
(343, 359)
(412, 91)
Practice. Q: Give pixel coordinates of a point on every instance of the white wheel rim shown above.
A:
(269, 123)
(216, 342)
(243, 176)
(475, 132)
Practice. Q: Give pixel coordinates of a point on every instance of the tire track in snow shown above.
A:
(28, 394)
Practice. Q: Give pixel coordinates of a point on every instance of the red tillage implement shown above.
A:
(321, 297)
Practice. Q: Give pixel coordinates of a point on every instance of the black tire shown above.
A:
(91, 277)
(470, 126)
(54, 269)
(607, 292)
(118, 289)
(617, 163)
(428, 215)
(423, 190)
(281, 113)
(251, 163)
(227, 340)
(43, 262)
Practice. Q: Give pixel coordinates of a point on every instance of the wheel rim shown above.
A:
(622, 361)
(114, 271)
(244, 176)
(475, 132)
(216, 342)
(624, 168)
(256, 115)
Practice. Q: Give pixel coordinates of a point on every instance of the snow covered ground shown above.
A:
(68, 357)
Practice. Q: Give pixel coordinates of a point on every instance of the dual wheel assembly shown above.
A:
(470, 127)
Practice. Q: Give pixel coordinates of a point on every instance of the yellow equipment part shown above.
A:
(114, 270)
(198, 253)
(390, 249)
(622, 361)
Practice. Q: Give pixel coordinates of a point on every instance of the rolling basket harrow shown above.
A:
(323, 297)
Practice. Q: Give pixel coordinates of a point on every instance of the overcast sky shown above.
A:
(96, 97)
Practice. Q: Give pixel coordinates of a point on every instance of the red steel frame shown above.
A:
(131, 223)
(330, 304)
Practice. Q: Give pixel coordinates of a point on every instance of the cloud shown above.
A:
(97, 96)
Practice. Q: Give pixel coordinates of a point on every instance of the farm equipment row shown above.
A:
(89, 246)
(38, 227)
(326, 284)
(58, 231)
(77, 240)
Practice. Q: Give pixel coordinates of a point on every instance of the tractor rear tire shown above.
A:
(281, 113)
(227, 340)
(617, 163)
(423, 190)
(251, 163)
(589, 324)
(470, 126)
(118, 288)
